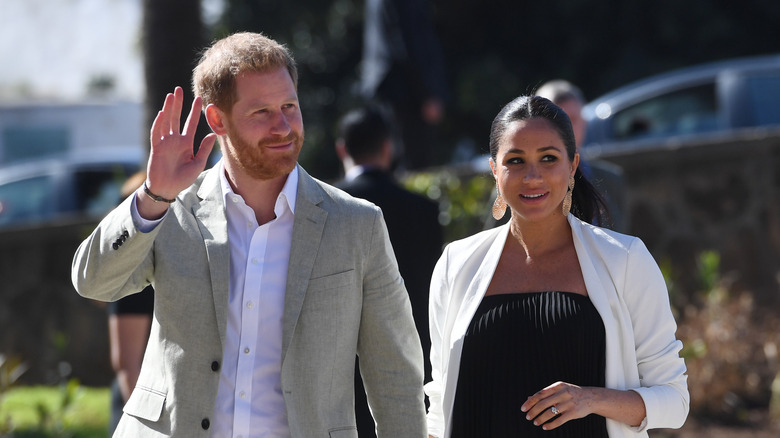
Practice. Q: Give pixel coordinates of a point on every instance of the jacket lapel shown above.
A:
(478, 286)
(210, 215)
(308, 225)
(602, 293)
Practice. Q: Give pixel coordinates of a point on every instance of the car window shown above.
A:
(763, 91)
(25, 143)
(29, 200)
(99, 189)
(687, 111)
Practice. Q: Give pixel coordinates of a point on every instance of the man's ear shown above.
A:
(216, 119)
(341, 149)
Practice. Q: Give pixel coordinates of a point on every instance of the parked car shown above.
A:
(80, 186)
(712, 99)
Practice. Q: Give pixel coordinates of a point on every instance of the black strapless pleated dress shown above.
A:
(516, 345)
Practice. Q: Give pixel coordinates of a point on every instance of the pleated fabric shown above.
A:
(516, 345)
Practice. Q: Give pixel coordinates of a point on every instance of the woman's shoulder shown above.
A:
(481, 238)
(604, 239)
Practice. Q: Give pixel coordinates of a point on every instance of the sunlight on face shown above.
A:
(532, 169)
(265, 126)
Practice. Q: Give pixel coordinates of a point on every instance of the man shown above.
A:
(403, 70)
(365, 148)
(267, 281)
(607, 177)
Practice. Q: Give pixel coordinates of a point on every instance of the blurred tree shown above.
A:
(497, 50)
(172, 37)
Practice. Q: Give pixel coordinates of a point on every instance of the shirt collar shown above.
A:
(288, 195)
(358, 170)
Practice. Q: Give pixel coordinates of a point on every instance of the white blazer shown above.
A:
(626, 287)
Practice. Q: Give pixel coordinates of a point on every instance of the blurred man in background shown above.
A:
(365, 148)
(607, 177)
(403, 70)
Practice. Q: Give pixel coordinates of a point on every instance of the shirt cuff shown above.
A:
(141, 224)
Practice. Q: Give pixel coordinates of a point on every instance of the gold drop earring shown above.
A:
(566, 206)
(499, 206)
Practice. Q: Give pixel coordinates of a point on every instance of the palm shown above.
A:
(172, 164)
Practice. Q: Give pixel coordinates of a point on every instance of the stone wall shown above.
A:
(717, 193)
(42, 318)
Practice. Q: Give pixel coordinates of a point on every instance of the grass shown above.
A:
(71, 411)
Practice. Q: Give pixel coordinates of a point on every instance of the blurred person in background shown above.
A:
(403, 70)
(607, 177)
(549, 326)
(129, 322)
(365, 148)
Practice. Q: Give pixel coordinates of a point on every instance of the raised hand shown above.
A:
(172, 165)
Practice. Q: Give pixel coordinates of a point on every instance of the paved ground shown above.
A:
(759, 427)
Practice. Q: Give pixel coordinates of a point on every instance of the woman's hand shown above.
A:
(562, 402)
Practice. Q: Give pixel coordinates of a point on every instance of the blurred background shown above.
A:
(82, 80)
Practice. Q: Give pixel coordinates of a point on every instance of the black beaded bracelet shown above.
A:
(156, 198)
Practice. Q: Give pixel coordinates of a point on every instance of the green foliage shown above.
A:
(463, 198)
(67, 410)
(11, 369)
(708, 264)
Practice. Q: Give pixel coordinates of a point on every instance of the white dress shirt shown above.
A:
(249, 400)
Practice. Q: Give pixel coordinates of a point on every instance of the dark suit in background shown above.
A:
(403, 70)
(365, 148)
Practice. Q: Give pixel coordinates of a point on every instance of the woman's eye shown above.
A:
(550, 158)
(514, 160)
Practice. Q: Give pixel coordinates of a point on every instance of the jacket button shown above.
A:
(215, 366)
(125, 234)
(205, 424)
(115, 245)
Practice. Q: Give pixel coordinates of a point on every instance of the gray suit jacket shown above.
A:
(344, 297)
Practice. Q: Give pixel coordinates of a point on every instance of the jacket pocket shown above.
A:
(344, 432)
(145, 403)
(333, 281)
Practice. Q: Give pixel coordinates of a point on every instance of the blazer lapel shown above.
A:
(308, 225)
(602, 293)
(211, 219)
(478, 286)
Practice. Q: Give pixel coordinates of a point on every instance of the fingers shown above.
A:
(553, 406)
(168, 119)
(178, 102)
(554, 416)
(206, 145)
(193, 117)
(162, 123)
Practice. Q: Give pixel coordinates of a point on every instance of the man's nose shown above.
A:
(280, 125)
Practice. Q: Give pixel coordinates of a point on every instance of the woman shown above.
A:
(549, 326)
